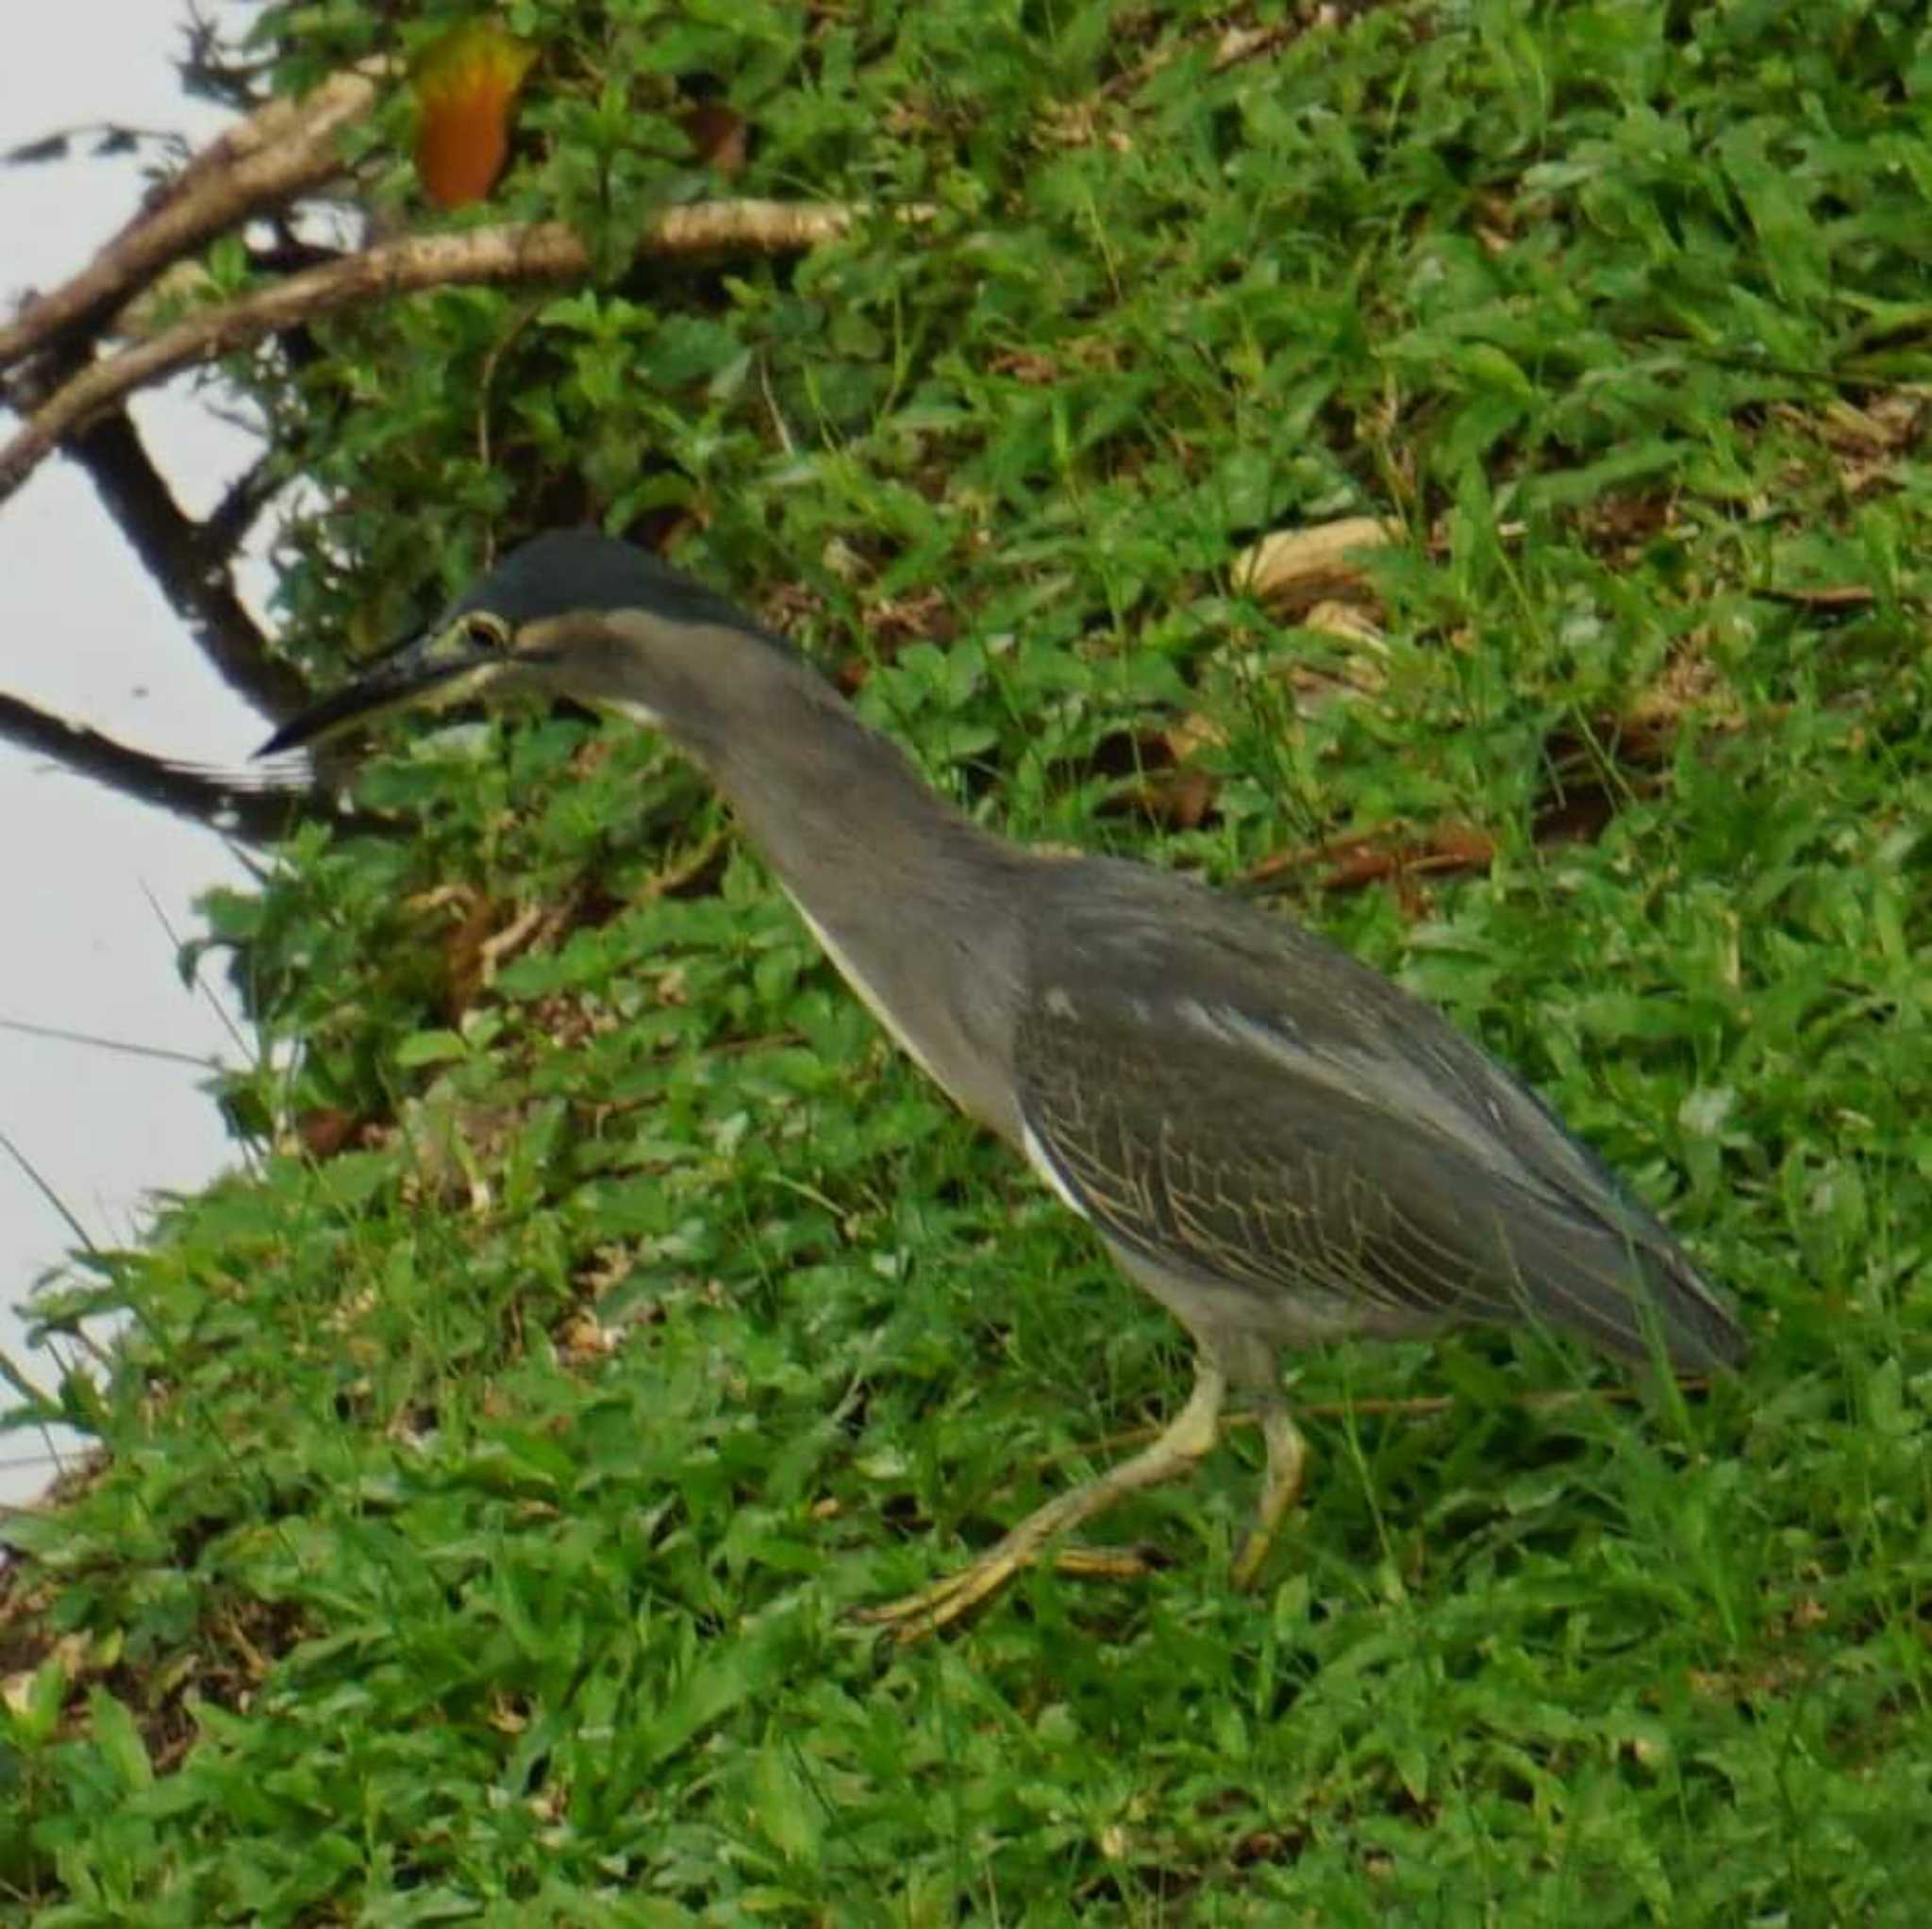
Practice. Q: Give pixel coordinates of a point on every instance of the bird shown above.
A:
(1275, 1140)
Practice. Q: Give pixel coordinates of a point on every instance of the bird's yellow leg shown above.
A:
(1190, 1435)
(1281, 1485)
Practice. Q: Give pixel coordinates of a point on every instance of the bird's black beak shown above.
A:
(441, 667)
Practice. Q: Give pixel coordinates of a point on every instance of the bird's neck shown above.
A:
(913, 902)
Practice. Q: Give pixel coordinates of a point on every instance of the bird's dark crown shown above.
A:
(580, 572)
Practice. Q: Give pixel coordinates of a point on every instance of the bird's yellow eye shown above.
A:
(482, 631)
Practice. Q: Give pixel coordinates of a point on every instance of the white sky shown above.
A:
(85, 633)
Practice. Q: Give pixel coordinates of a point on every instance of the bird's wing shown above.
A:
(1235, 1099)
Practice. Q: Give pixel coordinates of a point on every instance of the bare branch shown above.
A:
(228, 523)
(109, 137)
(222, 801)
(189, 562)
(213, 68)
(276, 153)
(545, 251)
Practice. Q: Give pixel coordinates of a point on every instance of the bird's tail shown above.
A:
(1630, 1289)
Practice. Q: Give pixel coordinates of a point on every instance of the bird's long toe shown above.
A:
(930, 1609)
(915, 1616)
(1176, 1452)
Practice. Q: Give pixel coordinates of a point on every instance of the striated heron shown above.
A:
(1273, 1140)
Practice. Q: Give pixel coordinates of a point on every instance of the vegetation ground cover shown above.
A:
(604, 1310)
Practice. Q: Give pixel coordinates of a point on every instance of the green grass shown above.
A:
(490, 1471)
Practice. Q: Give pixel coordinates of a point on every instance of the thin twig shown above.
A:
(215, 799)
(193, 976)
(276, 153)
(60, 1034)
(45, 1189)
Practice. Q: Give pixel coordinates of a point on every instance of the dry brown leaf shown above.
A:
(1349, 621)
(1174, 790)
(325, 1130)
(1292, 570)
(1367, 858)
(1180, 798)
(719, 137)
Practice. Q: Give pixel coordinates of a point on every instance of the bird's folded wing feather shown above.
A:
(1353, 1152)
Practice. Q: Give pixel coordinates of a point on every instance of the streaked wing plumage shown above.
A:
(1277, 1119)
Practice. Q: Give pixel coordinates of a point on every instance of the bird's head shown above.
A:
(570, 614)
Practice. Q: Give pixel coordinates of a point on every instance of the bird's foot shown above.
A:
(916, 1616)
(1189, 1436)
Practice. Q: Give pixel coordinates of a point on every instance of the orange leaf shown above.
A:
(465, 84)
